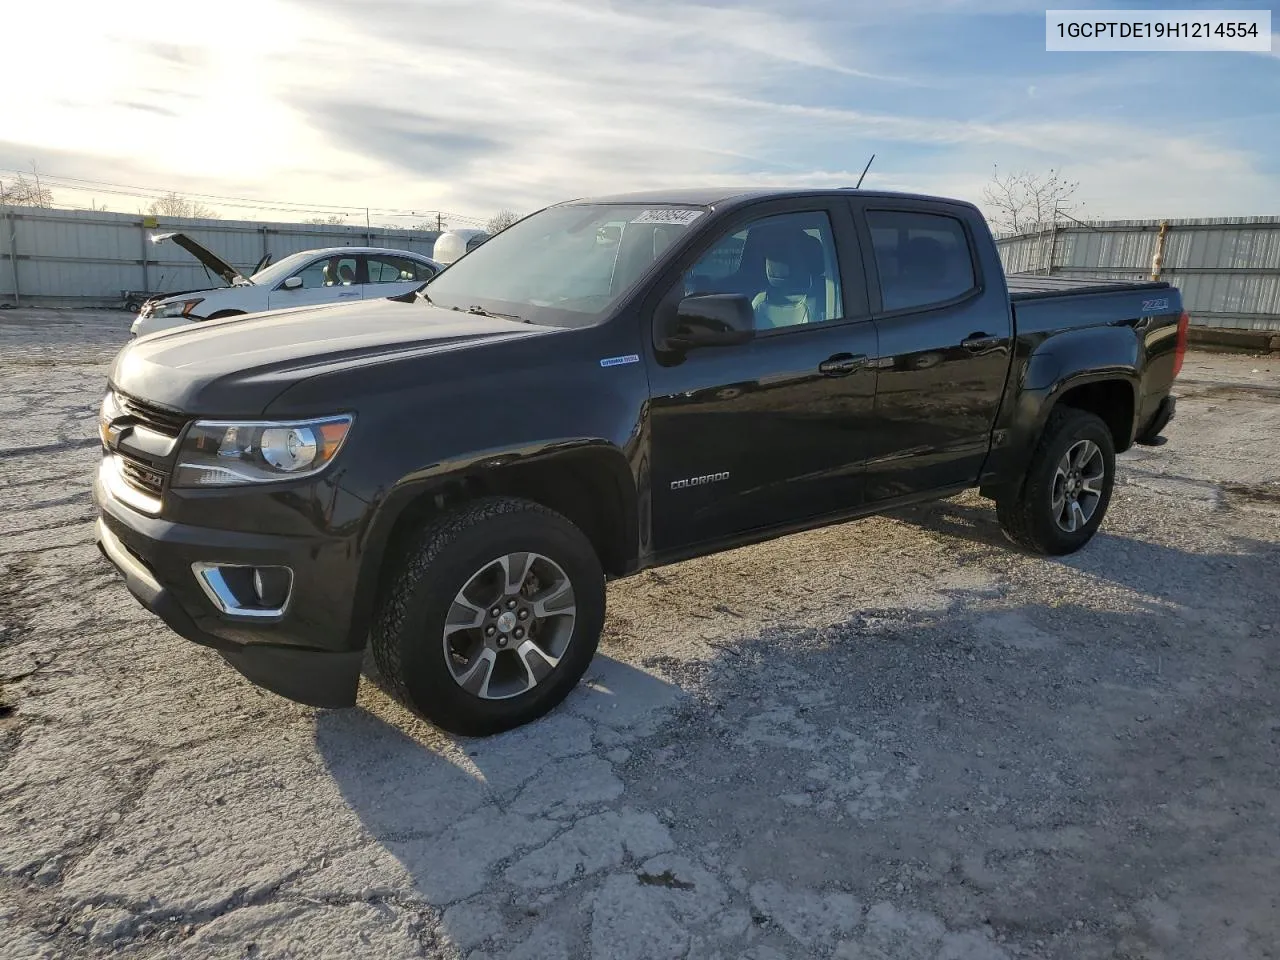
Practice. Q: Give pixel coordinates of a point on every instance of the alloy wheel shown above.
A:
(1078, 485)
(509, 626)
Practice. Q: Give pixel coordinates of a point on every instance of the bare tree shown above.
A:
(21, 192)
(1021, 201)
(430, 225)
(500, 221)
(175, 205)
(333, 220)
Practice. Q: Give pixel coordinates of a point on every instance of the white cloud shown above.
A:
(471, 106)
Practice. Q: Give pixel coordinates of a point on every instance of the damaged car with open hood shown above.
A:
(304, 279)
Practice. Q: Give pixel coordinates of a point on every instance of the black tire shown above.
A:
(223, 314)
(1026, 513)
(408, 631)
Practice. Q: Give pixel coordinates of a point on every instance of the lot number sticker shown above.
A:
(677, 216)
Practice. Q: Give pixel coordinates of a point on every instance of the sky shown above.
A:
(473, 106)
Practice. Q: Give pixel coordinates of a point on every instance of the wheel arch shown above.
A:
(590, 484)
(1093, 368)
(1112, 398)
(1068, 366)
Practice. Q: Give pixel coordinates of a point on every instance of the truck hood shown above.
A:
(229, 274)
(237, 366)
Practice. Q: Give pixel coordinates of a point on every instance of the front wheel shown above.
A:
(492, 618)
(1067, 487)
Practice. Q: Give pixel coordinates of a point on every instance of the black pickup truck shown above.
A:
(451, 477)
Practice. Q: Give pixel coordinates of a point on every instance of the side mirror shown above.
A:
(293, 283)
(711, 320)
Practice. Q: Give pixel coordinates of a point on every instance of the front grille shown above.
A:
(142, 477)
(168, 422)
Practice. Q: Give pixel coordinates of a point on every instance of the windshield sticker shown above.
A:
(677, 216)
(619, 361)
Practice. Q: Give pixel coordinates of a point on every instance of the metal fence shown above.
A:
(89, 258)
(1228, 269)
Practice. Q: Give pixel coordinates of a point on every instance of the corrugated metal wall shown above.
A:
(85, 258)
(1228, 269)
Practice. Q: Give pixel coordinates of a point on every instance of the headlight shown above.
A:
(178, 308)
(218, 453)
(109, 410)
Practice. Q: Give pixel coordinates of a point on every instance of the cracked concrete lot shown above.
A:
(895, 739)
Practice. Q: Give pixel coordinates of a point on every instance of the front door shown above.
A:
(770, 432)
(944, 337)
(331, 279)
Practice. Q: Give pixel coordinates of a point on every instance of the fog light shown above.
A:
(271, 586)
(245, 591)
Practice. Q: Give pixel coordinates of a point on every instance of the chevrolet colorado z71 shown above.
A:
(451, 476)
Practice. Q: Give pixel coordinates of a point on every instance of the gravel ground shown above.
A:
(895, 739)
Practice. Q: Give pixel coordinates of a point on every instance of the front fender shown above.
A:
(476, 474)
(446, 424)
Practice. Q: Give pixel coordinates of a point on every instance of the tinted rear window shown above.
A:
(922, 258)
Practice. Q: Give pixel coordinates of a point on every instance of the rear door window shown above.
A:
(923, 259)
(389, 269)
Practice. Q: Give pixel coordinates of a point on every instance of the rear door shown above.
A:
(770, 432)
(390, 276)
(330, 279)
(944, 324)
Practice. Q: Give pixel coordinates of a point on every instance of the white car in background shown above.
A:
(331, 275)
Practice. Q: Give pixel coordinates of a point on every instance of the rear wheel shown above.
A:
(1067, 488)
(492, 617)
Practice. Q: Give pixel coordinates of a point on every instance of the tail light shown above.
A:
(1180, 351)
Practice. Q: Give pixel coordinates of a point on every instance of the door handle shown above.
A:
(977, 342)
(354, 293)
(841, 365)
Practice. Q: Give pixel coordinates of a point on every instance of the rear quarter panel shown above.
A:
(1070, 340)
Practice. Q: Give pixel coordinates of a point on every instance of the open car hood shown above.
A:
(229, 274)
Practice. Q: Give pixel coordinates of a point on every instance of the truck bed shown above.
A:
(1027, 286)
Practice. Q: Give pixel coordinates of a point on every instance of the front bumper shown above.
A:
(305, 655)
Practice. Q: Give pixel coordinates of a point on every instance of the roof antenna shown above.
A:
(864, 172)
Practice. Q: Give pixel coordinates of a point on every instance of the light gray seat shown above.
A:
(794, 286)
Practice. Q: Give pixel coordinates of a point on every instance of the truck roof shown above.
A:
(714, 196)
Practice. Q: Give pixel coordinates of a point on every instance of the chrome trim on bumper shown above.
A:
(215, 587)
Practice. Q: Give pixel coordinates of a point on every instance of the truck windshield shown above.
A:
(566, 266)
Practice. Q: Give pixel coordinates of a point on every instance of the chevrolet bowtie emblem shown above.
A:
(111, 433)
